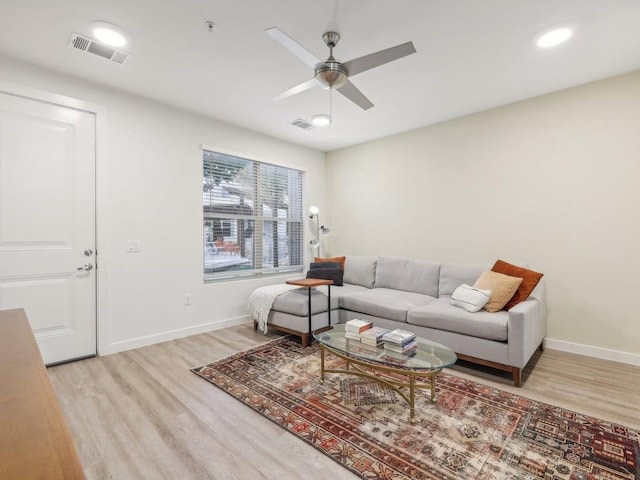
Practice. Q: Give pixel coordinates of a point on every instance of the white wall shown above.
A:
(150, 189)
(552, 181)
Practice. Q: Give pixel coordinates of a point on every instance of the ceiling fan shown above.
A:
(331, 73)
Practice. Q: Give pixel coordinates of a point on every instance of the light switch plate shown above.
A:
(133, 246)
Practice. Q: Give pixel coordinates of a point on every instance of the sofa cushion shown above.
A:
(502, 288)
(343, 291)
(529, 281)
(296, 302)
(384, 302)
(469, 298)
(327, 271)
(333, 274)
(408, 275)
(452, 275)
(360, 270)
(441, 315)
(314, 265)
(339, 260)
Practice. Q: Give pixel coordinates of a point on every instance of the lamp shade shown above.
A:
(313, 210)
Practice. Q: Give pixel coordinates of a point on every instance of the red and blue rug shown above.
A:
(471, 432)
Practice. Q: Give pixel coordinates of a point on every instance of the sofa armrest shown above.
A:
(540, 294)
(527, 327)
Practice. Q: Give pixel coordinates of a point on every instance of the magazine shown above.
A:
(398, 337)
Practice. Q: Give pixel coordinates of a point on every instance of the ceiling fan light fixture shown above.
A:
(331, 75)
(553, 38)
(109, 34)
(321, 120)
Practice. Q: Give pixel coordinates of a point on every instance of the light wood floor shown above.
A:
(142, 414)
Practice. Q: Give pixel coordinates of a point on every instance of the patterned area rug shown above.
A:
(471, 432)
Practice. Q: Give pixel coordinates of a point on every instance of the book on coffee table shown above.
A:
(352, 335)
(408, 347)
(373, 336)
(398, 337)
(356, 325)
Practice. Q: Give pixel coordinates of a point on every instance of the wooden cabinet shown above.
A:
(35, 442)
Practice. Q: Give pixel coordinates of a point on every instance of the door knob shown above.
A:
(86, 266)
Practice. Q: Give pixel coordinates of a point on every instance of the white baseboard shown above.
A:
(172, 335)
(591, 351)
(551, 343)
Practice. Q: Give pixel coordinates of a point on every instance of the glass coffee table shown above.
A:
(414, 370)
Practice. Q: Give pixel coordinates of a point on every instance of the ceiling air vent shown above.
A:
(300, 123)
(91, 46)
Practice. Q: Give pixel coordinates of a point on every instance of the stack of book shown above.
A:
(353, 328)
(373, 336)
(400, 341)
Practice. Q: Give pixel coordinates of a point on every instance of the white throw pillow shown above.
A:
(470, 298)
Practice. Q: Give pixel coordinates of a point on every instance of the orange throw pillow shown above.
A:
(529, 281)
(339, 260)
(502, 287)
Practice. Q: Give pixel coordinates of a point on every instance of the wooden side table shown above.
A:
(310, 283)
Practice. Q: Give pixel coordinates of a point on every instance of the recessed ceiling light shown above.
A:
(108, 34)
(321, 120)
(554, 37)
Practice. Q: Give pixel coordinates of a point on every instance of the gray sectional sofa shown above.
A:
(414, 295)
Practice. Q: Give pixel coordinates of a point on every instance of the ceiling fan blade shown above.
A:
(295, 90)
(350, 91)
(367, 62)
(294, 47)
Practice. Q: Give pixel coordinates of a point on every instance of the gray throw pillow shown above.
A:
(335, 274)
(315, 265)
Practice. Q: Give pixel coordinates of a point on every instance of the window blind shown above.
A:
(252, 217)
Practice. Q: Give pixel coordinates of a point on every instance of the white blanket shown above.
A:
(261, 301)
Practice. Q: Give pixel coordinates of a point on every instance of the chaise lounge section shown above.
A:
(396, 292)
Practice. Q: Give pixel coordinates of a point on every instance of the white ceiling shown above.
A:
(471, 55)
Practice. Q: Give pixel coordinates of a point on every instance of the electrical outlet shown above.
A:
(133, 246)
(187, 299)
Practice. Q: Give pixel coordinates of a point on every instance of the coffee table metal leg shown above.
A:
(433, 386)
(412, 398)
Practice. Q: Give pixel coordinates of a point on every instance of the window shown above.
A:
(253, 219)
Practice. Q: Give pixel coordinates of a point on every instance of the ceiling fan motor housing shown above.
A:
(331, 74)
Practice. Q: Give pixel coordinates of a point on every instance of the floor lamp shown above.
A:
(314, 212)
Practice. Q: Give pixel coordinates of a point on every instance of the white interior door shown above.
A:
(47, 223)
